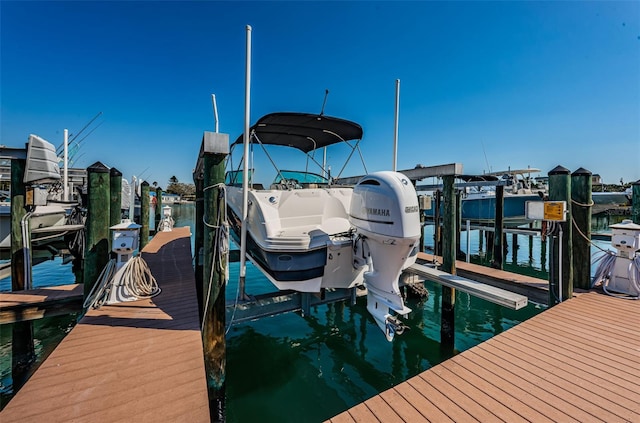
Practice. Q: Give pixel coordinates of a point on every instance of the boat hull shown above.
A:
(299, 239)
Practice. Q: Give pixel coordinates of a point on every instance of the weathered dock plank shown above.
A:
(38, 303)
(138, 361)
(576, 362)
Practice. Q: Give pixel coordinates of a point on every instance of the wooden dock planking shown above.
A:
(41, 302)
(578, 361)
(137, 361)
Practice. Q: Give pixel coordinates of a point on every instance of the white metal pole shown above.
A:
(468, 240)
(395, 132)
(324, 162)
(560, 265)
(245, 169)
(65, 175)
(215, 110)
(132, 199)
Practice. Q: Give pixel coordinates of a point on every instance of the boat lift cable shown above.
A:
(220, 246)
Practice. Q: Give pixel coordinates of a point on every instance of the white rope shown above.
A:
(100, 290)
(138, 279)
(582, 204)
(166, 224)
(220, 244)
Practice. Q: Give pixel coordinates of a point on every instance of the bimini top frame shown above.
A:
(305, 132)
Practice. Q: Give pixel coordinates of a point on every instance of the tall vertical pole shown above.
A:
(213, 320)
(447, 325)
(395, 128)
(98, 214)
(635, 202)
(22, 348)
(498, 235)
(562, 271)
(581, 203)
(245, 168)
(144, 214)
(65, 174)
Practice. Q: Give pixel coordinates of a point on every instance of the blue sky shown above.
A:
(490, 85)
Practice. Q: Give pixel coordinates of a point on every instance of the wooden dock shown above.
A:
(38, 303)
(576, 362)
(138, 361)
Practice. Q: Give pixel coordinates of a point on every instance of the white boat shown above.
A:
(48, 221)
(307, 234)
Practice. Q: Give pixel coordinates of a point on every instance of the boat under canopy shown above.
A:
(305, 233)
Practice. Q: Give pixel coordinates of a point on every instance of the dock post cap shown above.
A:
(144, 184)
(98, 167)
(559, 170)
(582, 171)
(115, 172)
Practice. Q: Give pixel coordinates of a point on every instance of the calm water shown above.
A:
(289, 368)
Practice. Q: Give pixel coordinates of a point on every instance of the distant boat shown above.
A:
(481, 206)
(618, 198)
(479, 195)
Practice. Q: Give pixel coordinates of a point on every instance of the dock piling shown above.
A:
(215, 149)
(22, 347)
(199, 237)
(635, 202)
(498, 234)
(115, 189)
(447, 323)
(97, 224)
(561, 274)
(144, 214)
(581, 203)
(158, 210)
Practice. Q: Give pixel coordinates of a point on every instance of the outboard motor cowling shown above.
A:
(384, 210)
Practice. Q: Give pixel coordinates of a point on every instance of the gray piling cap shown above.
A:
(559, 170)
(581, 172)
(98, 167)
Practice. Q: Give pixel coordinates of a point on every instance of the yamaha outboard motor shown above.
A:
(384, 210)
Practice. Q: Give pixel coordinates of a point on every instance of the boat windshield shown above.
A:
(234, 177)
(300, 177)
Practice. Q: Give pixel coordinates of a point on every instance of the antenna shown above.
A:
(485, 156)
(326, 94)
